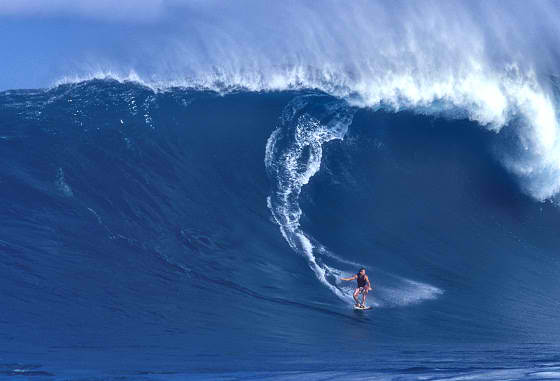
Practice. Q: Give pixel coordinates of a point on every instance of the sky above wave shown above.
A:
(170, 39)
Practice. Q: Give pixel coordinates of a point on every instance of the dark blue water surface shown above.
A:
(136, 242)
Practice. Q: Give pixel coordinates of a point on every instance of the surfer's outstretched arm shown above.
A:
(354, 277)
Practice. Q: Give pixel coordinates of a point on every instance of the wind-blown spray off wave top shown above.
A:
(398, 56)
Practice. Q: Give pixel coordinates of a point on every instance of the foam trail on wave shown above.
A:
(293, 155)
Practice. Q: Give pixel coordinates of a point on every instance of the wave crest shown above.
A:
(493, 99)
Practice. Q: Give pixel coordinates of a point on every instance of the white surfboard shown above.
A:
(363, 308)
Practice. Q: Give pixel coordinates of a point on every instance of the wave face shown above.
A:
(219, 224)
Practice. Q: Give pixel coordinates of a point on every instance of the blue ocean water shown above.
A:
(193, 234)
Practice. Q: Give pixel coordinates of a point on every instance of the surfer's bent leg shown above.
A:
(364, 295)
(356, 292)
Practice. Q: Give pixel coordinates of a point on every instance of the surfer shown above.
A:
(364, 286)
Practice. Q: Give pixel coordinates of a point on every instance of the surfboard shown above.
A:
(362, 308)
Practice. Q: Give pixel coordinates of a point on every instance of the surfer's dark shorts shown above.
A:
(363, 290)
